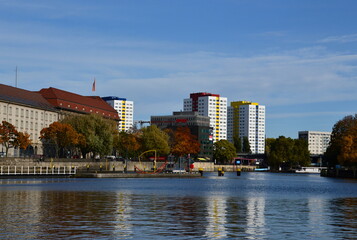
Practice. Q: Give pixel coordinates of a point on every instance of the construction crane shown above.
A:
(141, 122)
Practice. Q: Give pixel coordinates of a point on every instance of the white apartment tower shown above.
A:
(125, 110)
(317, 141)
(247, 119)
(213, 106)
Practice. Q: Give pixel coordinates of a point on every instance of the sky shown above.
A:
(296, 57)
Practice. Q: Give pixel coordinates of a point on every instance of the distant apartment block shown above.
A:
(125, 110)
(198, 125)
(247, 119)
(317, 141)
(213, 106)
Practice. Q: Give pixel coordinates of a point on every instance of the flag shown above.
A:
(93, 86)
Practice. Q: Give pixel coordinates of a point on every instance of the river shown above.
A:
(250, 206)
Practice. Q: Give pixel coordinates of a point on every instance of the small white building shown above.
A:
(317, 141)
(125, 110)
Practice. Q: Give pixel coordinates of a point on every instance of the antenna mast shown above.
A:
(16, 77)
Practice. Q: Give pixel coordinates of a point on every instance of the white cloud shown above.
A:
(340, 39)
(306, 114)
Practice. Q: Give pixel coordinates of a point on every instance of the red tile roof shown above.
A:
(76, 103)
(24, 97)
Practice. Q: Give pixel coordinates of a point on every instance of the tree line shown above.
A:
(96, 136)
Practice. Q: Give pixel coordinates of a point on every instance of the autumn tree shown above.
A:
(22, 140)
(343, 144)
(224, 151)
(127, 144)
(61, 136)
(8, 135)
(153, 138)
(98, 133)
(184, 142)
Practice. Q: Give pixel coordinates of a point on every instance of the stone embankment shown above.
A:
(21, 165)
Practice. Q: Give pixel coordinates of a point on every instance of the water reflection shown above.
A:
(223, 209)
(123, 215)
(255, 218)
(216, 217)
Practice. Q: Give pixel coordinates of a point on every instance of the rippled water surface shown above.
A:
(252, 206)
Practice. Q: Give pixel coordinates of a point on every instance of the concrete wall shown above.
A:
(108, 165)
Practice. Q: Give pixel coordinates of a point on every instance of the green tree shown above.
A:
(153, 138)
(8, 135)
(343, 145)
(287, 153)
(246, 145)
(97, 131)
(237, 141)
(224, 151)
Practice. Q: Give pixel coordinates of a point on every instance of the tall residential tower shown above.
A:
(213, 106)
(247, 119)
(125, 110)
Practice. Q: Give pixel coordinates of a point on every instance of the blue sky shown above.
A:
(296, 57)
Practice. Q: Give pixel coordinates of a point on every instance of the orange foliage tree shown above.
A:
(127, 144)
(184, 142)
(8, 135)
(343, 145)
(22, 140)
(61, 135)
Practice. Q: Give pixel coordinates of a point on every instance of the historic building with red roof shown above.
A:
(32, 111)
(67, 103)
(29, 112)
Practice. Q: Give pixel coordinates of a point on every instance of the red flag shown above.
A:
(93, 87)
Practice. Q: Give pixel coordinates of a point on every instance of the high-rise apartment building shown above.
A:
(247, 119)
(317, 141)
(125, 110)
(213, 106)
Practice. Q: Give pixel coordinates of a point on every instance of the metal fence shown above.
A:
(37, 170)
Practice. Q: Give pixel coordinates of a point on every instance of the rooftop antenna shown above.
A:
(16, 77)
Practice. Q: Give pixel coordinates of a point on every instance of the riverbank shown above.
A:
(136, 175)
(339, 173)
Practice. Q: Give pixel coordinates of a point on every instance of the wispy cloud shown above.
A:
(340, 39)
(307, 114)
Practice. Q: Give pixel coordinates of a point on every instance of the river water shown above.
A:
(251, 206)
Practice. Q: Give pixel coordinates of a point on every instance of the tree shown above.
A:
(224, 151)
(61, 135)
(127, 144)
(8, 135)
(287, 153)
(237, 141)
(155, 139)
(343, 145)
(184, 142)
(246, 145)
(22, 140)
(98, 133)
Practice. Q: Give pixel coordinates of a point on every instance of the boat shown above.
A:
(310, 170)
